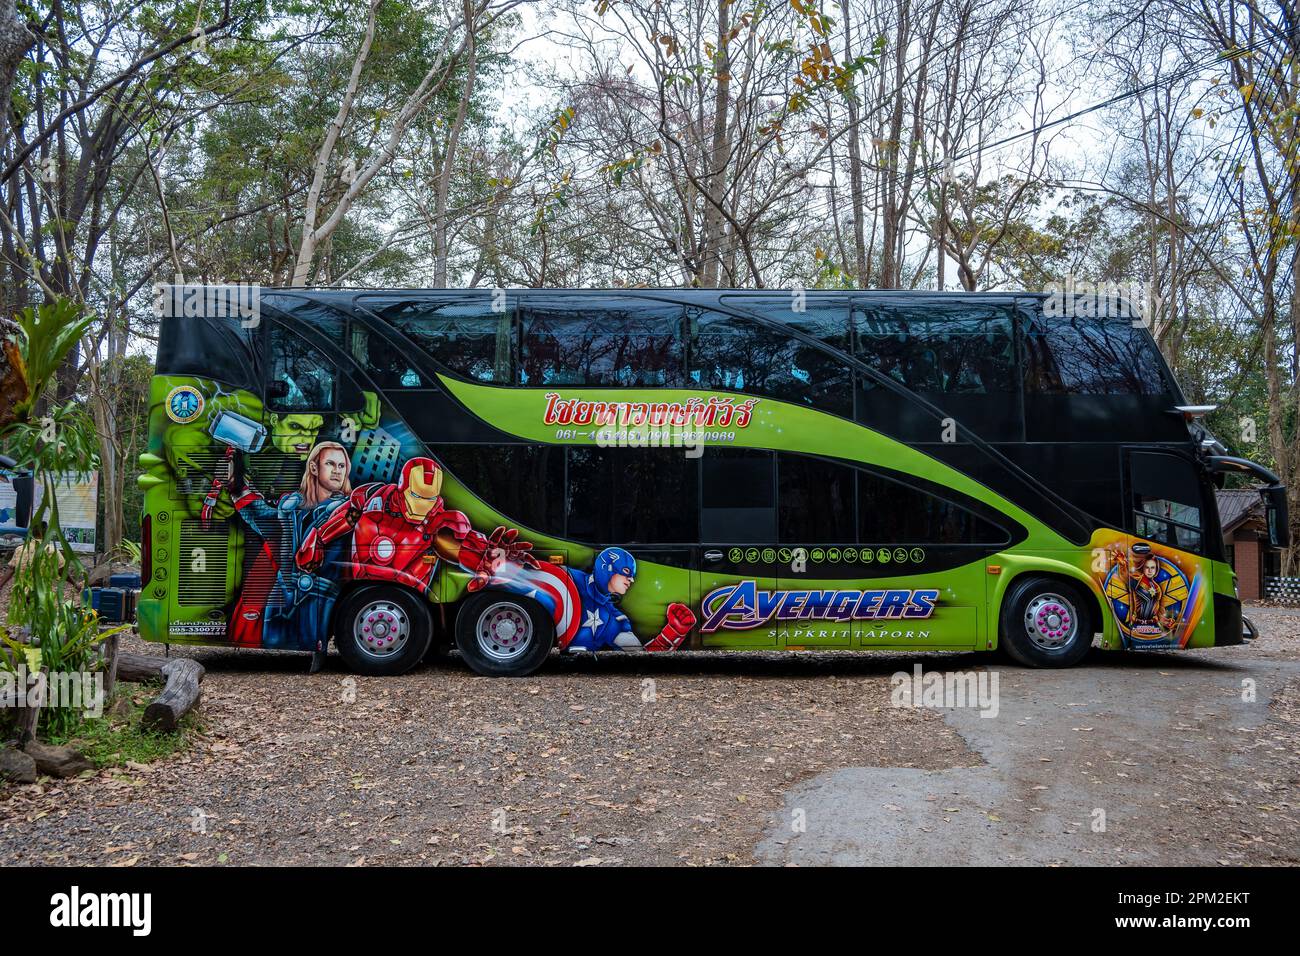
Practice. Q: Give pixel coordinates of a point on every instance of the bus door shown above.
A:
(736, 567)
(1158, 584)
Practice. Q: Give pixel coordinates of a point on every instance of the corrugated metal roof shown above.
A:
(1237, 505)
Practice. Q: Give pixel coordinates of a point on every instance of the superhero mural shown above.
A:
(276, 602)
(331, 528)
(584, 604)
(1156, 593)
(402, 532)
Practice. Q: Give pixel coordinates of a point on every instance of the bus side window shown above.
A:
(735, 354)
(300, 377)
(619, 343)
(522, 483)
(465, 335)
(1080, 356)
(384, 362)
(815, 500)
(890, 512)
(738, 496)
(936, 349)
(1166, 499)
(631, 496)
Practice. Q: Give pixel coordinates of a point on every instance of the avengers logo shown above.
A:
(743, 606)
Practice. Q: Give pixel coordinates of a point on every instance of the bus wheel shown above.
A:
(1046, 622)
(503, 635)
(382, 630)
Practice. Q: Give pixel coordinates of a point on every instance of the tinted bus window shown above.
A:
(893, 513)
(611, 343)
(519, 481)
(1071, 356)
(463, 335)
(736, 354)
(387, 364)
(825, 320)
(816, 500)
(939, 348)
(738, 496)
(631, 496)
(308, 377)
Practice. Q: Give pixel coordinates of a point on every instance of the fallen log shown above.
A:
(180, 694)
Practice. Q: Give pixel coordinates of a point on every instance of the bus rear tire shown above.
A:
(503, 635)
(381, 630)
(1046, 622)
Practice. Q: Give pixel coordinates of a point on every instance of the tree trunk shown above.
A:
(15, 41)
(715, 183)
(855, 167)
(449, 159)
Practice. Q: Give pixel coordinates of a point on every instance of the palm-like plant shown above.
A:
(50, 440)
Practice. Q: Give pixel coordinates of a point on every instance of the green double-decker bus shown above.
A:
(653, 471)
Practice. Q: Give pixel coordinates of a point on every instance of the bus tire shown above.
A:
(503, 635)
(382, 630)
(1046, 622)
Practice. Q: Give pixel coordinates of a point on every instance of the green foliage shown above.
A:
(61, 633)
(46, 334)
(118, 737)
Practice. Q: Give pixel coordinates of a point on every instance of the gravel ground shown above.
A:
(664, 760)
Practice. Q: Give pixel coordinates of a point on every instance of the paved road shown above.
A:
(1183, 768)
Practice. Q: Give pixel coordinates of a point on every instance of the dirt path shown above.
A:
(617, 761)
(1152, 759)
(697, 759)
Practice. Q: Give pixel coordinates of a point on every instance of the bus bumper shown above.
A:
(1229, 626)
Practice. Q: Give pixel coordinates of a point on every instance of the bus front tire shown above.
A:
(381, 631)
(1046, 622)
(503, 635)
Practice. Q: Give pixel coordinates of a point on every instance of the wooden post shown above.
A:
(30, 716)
(110, 659)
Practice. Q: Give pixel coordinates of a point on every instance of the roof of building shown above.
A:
(1237, 506)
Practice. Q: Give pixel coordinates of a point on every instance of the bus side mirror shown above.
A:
(1276, 517)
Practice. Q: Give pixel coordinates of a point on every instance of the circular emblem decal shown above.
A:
(1150, 596)
(184, 404)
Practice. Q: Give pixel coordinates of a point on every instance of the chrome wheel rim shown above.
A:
(381, 629)
(1051, 621)
(504, 632)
